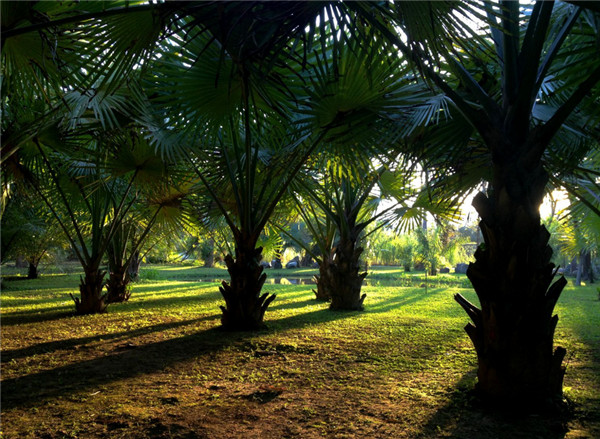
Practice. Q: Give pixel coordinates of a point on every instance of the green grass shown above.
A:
(158, 367)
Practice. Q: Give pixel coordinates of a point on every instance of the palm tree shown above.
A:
(65, 194)
(250, 124)
(366, 88)
(27, 230)
(237, 135)
(158, 205)
(580, 225)
(337, 209)
(89, 185)
(530, 79)
(342, 211)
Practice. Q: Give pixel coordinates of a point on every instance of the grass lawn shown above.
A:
(158, 367)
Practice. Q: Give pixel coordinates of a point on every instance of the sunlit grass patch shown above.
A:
(404, 366)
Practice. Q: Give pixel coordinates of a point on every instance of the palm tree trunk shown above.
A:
(209, 261)
(587, 268)
(118, 289)
(92, 300)
(323, 280)
(245, 307)
(32, 272)
(21, 262)
(513, 277)
(346, 281)
(208, 253)
(133, 271)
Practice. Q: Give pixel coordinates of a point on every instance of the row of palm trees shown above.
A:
(238, 103)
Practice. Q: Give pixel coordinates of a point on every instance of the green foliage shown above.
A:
(386, 247)
(27, 230)
(147, 274)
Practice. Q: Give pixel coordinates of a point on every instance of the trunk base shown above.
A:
(513, 330)
(118, 289)
(345, 279)
(32, 272)
(525, 388)
(92, 300)
(117, 293)
(323, 281)
(354, 303)
(244, 308)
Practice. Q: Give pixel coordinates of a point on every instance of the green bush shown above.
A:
(150, 274)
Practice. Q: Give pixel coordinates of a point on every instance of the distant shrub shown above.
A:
(149, 274)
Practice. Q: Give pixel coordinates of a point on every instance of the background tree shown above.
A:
(28, 231)
(440, 246)
(344, 207)
(259, 126)
(580, 238)
(124, 252)
(407, 247)
(89, 188)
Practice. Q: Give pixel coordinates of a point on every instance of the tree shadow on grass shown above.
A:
(288, 305)
(42, 283)
(166, 287)
(72, 343)
(136, 303)
(309, 318)
(34, 388)
(465, 415)
(395, 301)
(381, 306)
(38, 315)
(37, 301)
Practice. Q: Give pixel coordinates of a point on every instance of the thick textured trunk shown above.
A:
(245, 307)
(513, 277)
(323, 280)
(92, 301)
(207, 253)
(345, 279)
(209, 260)
(587, 268)
(118, 289)
(32, 272)
(133, 271)
(578, 275)
(21, 262)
